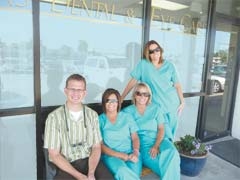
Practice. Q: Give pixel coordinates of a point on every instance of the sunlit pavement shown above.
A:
(215, 169)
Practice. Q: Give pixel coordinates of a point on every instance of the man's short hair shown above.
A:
(76, 77)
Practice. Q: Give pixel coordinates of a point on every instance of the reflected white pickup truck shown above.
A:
(102, 70)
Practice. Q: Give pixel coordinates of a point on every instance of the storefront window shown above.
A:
(18, 147)
(99, 39)
(180, 28)
(16, 54)
(188, 119)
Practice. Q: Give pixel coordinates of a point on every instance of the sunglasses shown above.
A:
(154, 50)
(111, 101)
(145, 94)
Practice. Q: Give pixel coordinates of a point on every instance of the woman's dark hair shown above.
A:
(106, 95)
(146, 54)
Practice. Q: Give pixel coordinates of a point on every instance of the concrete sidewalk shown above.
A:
(215, 169)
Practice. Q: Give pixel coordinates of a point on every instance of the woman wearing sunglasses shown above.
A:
(120, 145)
(162, 78)
(156, 147)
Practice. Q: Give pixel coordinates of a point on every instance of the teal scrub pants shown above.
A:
(166, 164)
(123, 170)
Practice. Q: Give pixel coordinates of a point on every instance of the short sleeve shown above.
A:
(101, 122)
(97, 137)
(137, 71)
(132, 124)
(174, 77)
(51, 133)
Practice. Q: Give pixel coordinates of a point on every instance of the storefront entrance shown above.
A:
(221, 80)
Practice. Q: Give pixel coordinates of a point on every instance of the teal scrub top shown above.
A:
(117, 136)
(161, 81)
(148, 122)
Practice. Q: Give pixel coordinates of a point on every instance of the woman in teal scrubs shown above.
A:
(120, 146)
(162, 78)
(156, 147)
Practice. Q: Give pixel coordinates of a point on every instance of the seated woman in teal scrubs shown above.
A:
(120, 146)
(156, 147)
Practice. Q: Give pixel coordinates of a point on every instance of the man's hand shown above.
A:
(91, 176)
(82, 177)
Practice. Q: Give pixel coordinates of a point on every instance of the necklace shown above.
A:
(85, 126)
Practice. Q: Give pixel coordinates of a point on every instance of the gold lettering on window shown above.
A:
(54, 4)
(74, 4)
(23, 3)
(130, 15)
(96, 9)
(80, 5)
(153, 15)
(186, 22)
(112, 12)
(101, 8)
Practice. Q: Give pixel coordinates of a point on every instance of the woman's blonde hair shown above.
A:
(141, 85)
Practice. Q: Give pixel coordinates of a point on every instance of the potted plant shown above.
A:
(193, 155)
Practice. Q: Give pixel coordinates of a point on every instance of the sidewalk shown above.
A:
(215, 169)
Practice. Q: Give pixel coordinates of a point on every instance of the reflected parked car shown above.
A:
(100, 70)
(219, 70)
(218, 83)
(218, 73)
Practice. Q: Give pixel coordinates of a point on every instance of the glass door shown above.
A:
(217, 104)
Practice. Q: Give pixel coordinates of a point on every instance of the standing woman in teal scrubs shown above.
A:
(120, 146)
(161, 76)
(156, 147)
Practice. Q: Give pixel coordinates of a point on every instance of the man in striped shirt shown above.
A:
(72, 136)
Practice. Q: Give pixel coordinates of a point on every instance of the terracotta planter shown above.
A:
(192, 166)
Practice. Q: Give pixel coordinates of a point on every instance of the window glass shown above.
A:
(99, 39)
(18, 147)
(16, 54)
(230, 7)
(188, 119)
(181, 31)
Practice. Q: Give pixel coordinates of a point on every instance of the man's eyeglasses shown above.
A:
(154, 50)
(72, 90)
(145, 94)
(111, 101)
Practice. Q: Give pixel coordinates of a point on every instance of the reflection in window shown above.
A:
(224, 56)
(188, 118)
(15, 146)
(182, 34)
(83, 37)
(230, 8)
(16, 59)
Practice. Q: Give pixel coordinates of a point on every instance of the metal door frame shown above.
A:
(209, 51)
